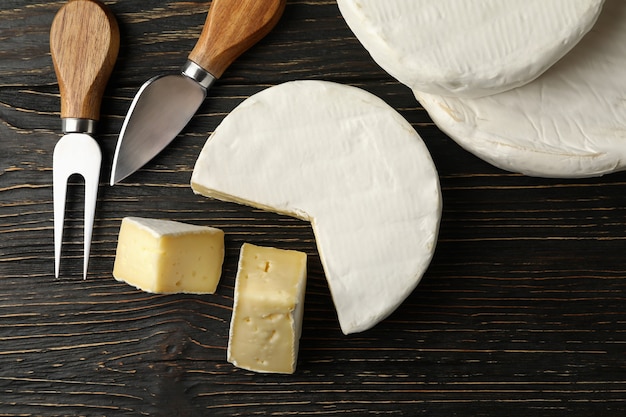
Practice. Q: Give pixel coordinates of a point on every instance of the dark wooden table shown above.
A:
(522, 311)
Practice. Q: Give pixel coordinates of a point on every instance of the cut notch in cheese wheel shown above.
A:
(469, 48)
(344, 160)
(570, 122)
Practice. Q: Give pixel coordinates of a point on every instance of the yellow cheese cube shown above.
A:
(163, 256)
(267, 313)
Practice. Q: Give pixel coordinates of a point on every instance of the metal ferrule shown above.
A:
(198, 74)
(76, 125)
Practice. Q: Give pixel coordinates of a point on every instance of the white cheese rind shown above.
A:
(164, 256)
(160, 227)
(268, 307)
(570, 122)
(344, 160)
(468, 48)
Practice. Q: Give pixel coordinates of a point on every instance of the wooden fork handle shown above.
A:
(231, 28)
(84, 43)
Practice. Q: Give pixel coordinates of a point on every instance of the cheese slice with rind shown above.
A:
(468, 48)
(266, 324)
(344, 160)
(570, 122)
(168, 257)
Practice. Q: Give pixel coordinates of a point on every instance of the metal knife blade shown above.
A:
(160, 110)
(164, 105)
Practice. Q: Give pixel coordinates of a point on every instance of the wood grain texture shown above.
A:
(84, 43)
(522, 312)
(231, 28)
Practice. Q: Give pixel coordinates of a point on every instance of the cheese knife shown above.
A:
(164, 104)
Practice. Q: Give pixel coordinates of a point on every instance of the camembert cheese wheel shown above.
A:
(344, 160)
(468, 48)
(570, 122)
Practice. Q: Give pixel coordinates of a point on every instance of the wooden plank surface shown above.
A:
(522, 311)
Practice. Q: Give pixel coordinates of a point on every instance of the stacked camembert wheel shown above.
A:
(535, 87)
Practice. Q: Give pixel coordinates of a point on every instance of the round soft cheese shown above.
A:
(344, 160)
(570, 122)
(468, 48)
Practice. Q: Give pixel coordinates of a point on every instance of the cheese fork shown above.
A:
(84, 42)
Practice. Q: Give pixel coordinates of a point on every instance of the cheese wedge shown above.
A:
(163, 256)
(570, 122)
(344, 160)
(266, 323)
(468, 48)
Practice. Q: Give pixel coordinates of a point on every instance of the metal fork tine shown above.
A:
(91, 193)
(59, 188)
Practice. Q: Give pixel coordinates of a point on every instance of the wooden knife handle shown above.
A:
(231, 28)
(84, 42)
